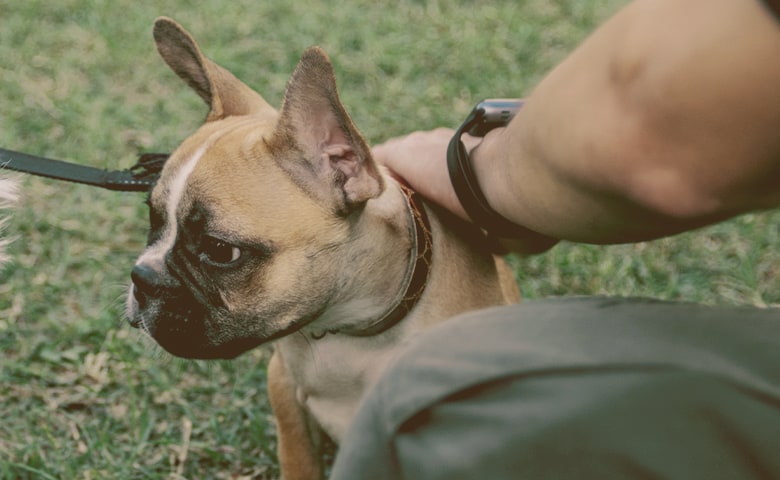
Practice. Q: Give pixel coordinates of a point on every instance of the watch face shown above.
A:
(493, 113)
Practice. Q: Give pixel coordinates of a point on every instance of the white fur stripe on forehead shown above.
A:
(155, 254)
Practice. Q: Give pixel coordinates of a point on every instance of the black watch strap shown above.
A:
(464, 181)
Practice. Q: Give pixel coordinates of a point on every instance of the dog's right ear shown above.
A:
(316, 142)
(224, 94)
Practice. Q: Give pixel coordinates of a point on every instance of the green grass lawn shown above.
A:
(82, 395)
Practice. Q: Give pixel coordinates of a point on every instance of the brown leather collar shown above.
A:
(416, 273)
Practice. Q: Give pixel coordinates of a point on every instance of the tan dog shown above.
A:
(279, 226)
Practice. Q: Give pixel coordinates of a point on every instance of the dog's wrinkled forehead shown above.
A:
(211, 155)
(229, 176)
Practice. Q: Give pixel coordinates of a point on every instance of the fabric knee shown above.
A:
(606, 424)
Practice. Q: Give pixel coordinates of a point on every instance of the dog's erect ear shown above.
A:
(223, 93)
(317, 143)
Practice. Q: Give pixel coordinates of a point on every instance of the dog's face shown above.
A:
(250, 217)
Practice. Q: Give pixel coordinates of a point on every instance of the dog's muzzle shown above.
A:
(169, 313)
(149, 285)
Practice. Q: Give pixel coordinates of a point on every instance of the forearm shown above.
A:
(646, 131)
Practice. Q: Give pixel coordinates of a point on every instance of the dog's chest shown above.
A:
(333, 373)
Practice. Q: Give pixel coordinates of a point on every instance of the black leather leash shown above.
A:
(141, 177)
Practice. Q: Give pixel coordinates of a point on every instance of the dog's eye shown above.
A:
(219, 252)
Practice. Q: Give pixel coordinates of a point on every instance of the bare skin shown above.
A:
(666, 119)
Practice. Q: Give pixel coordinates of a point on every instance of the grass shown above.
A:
(83, 396)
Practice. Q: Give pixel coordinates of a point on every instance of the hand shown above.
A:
(420, 159)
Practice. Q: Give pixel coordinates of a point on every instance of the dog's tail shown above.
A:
(8, 196)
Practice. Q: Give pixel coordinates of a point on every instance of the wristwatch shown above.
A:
(487, 115)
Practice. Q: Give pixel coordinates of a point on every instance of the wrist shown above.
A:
(464, 174)
(487, 173)
(490, 172)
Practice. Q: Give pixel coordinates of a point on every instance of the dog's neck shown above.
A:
(372, 313)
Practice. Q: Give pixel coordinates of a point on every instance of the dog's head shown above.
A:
(250, 211)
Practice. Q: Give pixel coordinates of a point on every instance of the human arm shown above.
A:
(665, 119)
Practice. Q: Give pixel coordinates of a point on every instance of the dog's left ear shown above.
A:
(317, 143)
(223, 93)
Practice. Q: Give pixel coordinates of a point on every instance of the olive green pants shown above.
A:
(580, 388)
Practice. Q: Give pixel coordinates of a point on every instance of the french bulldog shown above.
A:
(278, 226)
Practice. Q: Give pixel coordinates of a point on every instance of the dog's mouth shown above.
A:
(179, 335)
(185, 332)
(185, 328)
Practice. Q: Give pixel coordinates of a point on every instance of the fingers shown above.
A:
(420, 159)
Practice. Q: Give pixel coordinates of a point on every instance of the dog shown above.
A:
(8, 196)
(278, 226)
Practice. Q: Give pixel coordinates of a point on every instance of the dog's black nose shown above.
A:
(146, 279)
